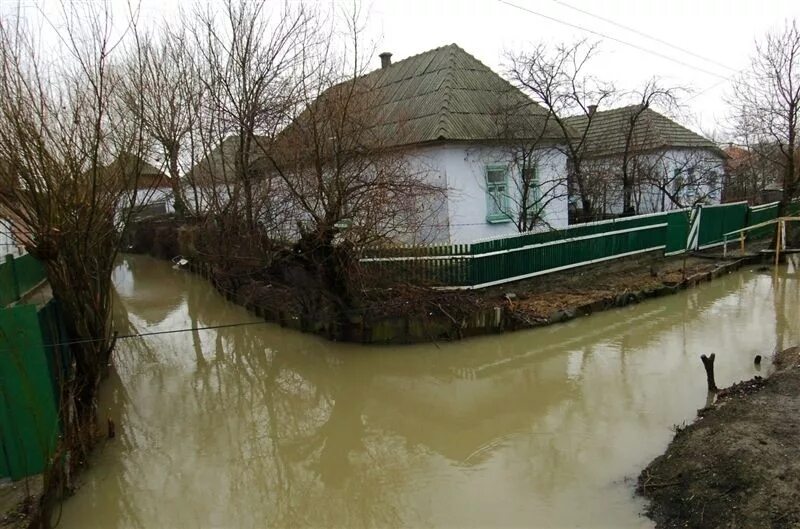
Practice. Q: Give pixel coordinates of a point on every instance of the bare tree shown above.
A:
(640, 135)
(350, 188)
(161, 84)
(527, 140)
(557, 80)
(766, 103)
(751, 170)
(60, 136)
(247, 57)
(676, 179)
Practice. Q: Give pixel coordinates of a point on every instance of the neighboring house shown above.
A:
(151, 192)
(669, 166)
(212, 182)
(755, 173)
(447, 114)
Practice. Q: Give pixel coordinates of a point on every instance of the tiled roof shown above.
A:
(608, 129)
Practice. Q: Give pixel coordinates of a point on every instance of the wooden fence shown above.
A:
(504, 259)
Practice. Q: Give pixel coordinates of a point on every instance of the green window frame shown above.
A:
(497, 198)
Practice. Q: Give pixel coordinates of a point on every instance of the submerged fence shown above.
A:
(511, 258)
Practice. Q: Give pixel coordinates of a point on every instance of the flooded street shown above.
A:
(255, 426)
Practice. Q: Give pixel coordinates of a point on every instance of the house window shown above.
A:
(677, 181)
(533, 201)
(497, 199)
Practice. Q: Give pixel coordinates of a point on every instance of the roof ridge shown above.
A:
(410, 57)
(443, 129)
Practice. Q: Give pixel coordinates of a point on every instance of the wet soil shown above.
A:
(643, 276)
(738, 464)
(19, 501)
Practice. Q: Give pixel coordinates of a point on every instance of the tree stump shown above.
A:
(708, 364)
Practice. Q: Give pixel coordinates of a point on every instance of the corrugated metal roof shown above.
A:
(447, 94)
(608, 130)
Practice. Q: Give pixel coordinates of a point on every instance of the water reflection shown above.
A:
(253, 426)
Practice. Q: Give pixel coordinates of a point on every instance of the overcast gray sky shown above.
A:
(722, 31)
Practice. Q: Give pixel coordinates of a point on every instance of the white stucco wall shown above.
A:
(146, 197)
(462, 168)
(649, 198)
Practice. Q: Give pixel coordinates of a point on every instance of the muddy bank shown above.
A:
(19, 502)
(409, 313)
(738, 464)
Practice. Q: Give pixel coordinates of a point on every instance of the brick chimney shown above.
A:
(592, 109)
(386, 59)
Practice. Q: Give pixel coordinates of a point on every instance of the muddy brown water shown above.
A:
(257, 426)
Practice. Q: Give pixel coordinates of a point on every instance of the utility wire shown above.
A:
(704, 90)
(156, 333)
(645, 35)
(615, 39)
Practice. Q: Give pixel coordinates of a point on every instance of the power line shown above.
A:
(704, 90)
(156, 333)
(645, 35)
(615, 39)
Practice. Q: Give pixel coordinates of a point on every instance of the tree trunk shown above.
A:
(708, 364)
(179, 203)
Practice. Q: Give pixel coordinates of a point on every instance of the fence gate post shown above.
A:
(14, 279)
(692, 242)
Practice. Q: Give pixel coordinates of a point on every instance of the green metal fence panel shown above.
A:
(9, 288)
(716, 221)
(578, 230)
(30, 272)
(28, 412)
(677, 231)
(758, 214)
(19, 275)
(518, 263)
(469, 264)
(508, 258)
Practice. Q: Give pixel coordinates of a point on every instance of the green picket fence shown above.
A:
(423, 270)
(17, 276)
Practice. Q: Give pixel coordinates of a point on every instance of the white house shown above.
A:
(669, 166)
(455, 121)
(453, 116)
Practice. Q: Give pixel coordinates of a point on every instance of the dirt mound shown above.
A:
(739, 464)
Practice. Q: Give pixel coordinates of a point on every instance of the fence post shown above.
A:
(14, 279)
